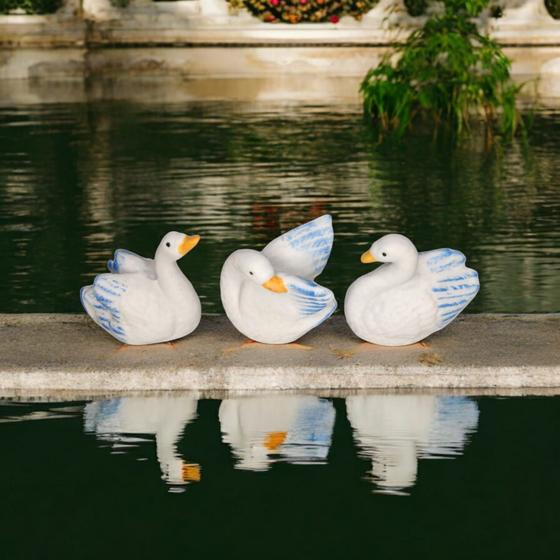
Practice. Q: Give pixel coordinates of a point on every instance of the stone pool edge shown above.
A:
(43, 354)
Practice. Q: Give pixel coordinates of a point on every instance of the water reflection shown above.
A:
(263, 430)
(19, 412)
(395, 431)
(115, 420)
(392, 433)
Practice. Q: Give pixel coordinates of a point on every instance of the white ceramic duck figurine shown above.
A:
(288, 428)
(270, 295)
(165, 417)
(411, 296)
(145, 301)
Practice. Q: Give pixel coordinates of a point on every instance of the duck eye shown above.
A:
(250, 273)
(384, 254)
(168, 244)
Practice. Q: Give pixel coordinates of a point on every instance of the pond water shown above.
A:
(79, 180)
(280, 476)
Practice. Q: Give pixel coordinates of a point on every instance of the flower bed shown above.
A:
(310, 11)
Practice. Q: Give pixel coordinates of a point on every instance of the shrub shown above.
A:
(446, 73)
(30, 6)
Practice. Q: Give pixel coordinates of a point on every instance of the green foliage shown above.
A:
(446, 73)
(296, 11)
(553, 7)
(30, 6)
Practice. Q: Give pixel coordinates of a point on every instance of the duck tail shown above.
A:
(86, 298)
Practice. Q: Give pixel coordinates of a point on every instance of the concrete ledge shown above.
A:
(69, 353)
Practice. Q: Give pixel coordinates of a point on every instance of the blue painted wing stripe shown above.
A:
(453, 303)
(107, 304)
(453, 279)
(302, 291)
(462, 286)
(116, 330)
(310, 301)
(327, 315)
(441, 254)
(456, 286)
(450, 313)
(462, 294)
(118, 285)
(447, 266)
(319, 235)
(102, 287)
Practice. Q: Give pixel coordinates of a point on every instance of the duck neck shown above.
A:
(392, 274)
(372, 285)
(169, 275)
(403, 270)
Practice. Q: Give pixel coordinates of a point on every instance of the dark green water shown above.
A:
(293, 477)
(78, 181)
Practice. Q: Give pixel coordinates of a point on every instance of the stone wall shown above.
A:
(203, 39)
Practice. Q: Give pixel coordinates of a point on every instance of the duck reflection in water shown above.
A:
(114, 420)
(289, 428)
(397, 430)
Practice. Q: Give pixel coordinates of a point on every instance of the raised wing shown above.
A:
(310, 298)
(124, 262)
(453, 284)
(304, 250)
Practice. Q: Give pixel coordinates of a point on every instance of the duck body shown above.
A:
(145, 301)
(411, 295)
(270, 295)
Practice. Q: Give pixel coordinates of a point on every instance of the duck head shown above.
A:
(257, 268)
(392, 248)
(175, 245)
